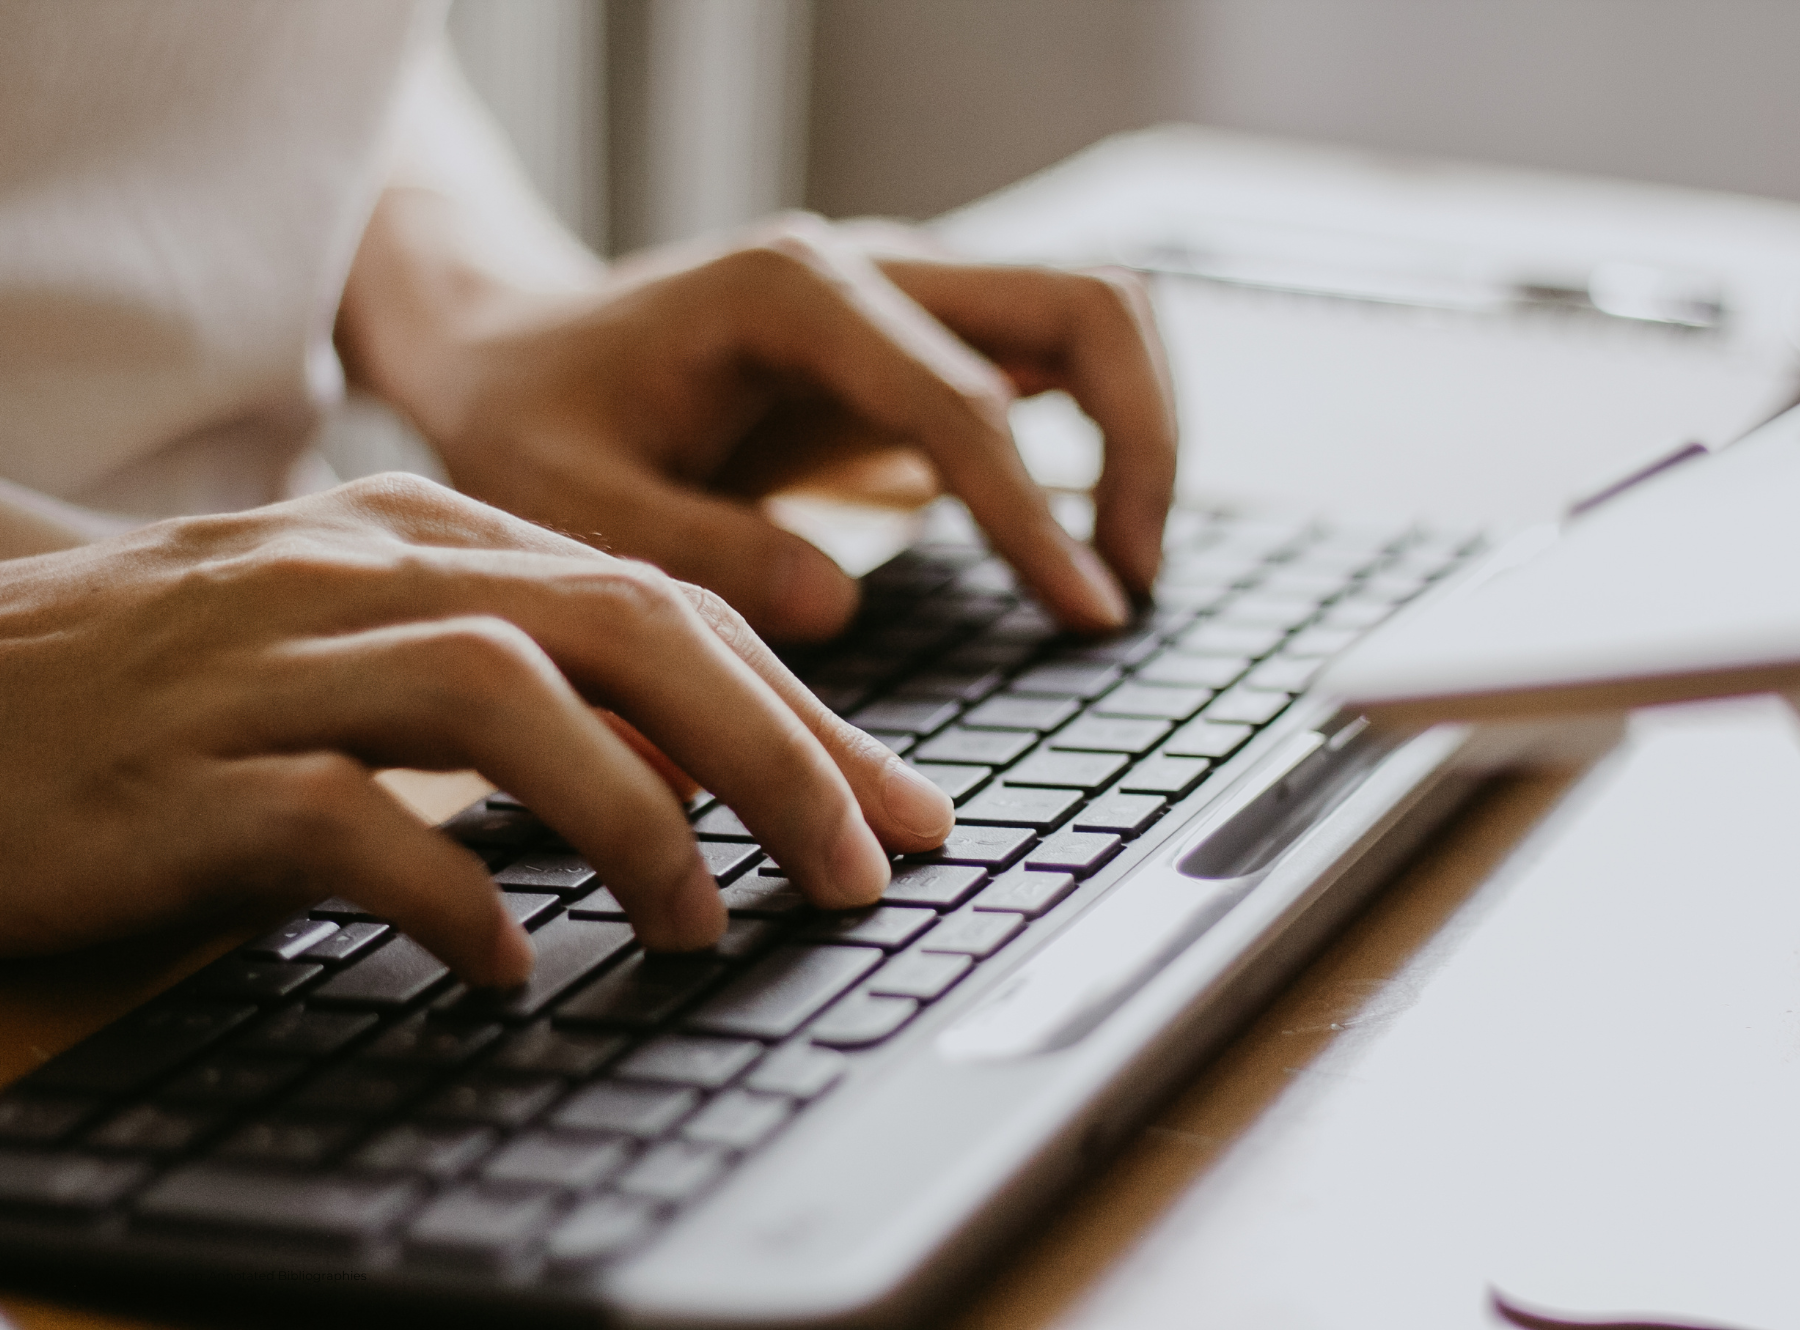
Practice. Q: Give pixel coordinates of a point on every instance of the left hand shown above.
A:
(642, 414)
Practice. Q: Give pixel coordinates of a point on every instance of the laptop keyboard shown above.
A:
(331, 1089)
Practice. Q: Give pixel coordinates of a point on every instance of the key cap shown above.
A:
(919, 974)
(783, 991)
(251, 979)
(1077, 852)
(1266, 607)
(351, 939)
(1357, 615)
(392, 977)
(499, 1098)
(1128, 648)
(529, 907)
(480, 825)
(1063, 678)
(627, 1108)
(722, 823)
(1103, 734)
(555, 1052)
(992, 848)
(431, 1043)
(744, 938)
(300, 1140)
(1154, 701)
(597, 904)
(799, 1071)
(361, 1089)
(862, 1019)
(339, 909)
(738, 1120)
(234, 1080)
(939, 886)
(1170, 777)
(988, 655)
(1245, 705)
(967, 686)
(577, 1161)
(976, 933)
(1007, 712)
(564, 874)
(69, 1183)
(674, 1171)
(993, 748)
(726, 860)
(471, 1227)
(436, 1150)
(597, 1230)
(1015, 806)
(142, 1045)
(1023, 623)
(154, 1129)
(689, 1060)
(40, 1119)
(305, 1032)
(568, 950)
(1283, 674)
(292, 938)
(894, 741)
(955, 780)
(1176, 670)
(1124, 815)
(1207, 737)
(640, 991)
(1025, 891)
(1221, 637)
(757, 895)
(1086, 772)
(1319, 641)
(885, 926)
(335, 1213)
(841, 699)
(906, 715)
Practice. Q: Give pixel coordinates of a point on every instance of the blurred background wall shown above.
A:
(646, 120)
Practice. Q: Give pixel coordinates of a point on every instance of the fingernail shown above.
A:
(857, 864)
(1109, 596)
(916, 804)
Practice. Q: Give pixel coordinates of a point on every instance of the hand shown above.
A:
(642, 414)
(192, 712)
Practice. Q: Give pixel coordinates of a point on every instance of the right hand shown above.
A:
(192, 712)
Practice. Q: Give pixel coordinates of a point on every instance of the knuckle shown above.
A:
(730, 626)
(640, 595)
(480, 656)
(397, 491)
(1114, 293)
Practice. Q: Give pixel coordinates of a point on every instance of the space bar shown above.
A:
(340, 1214)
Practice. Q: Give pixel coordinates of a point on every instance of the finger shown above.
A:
(905, 811)
(320, 826)
(684, 786)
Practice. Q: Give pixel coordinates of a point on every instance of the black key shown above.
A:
(40, 1119)
(721, 823)
(1170, 777)
(529, 907)
(758, 895)
(431, 1043)
(1007, 712)
(1122, 814)
(234, 1080)
(1086, 772)
(154, 1129)
(1101, 734)
(292, 938)
(139, 1046)
(885, 926)
(501, 1099)
(251, 979)
(968, 686)
(738, 1120)
(1221, 637)
(783, 991)
(673, 1171)
(480, 825)
(1126, 649)
(564, 874)
(472, 1227)
(296, 1139)
(940, 886)
(392, 977)
(841, 698)
(501, 799)
(568, 949)
(304, 1032)
(956, 781)
(597, 1230)
(1023, 623)
(436, 1150)
(350, 940)
(1247, 706)
(1015, 806)
(1077, 852)
(575, 1160)
(988, 655)
(1025, 891)
(744, 938)
(68, 1183)
(339, 909)
(598, 904)
(992, 848)
(1066, 678)
(685, 1059)
(974, 933)
(919, 974)
(799, 1071)
(1152, 701)
(1207, 737)
(725, 860)
(343, 1214)
(1178, 671)
(558, 1052)
(861, 1019)
(994, 748)
(642, 990)
(895, 741)
(628, 1108)
(906, 715)
(360, 1089)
